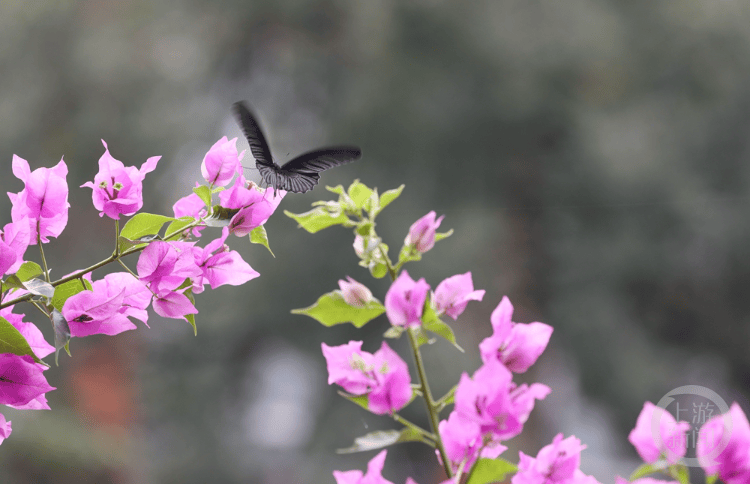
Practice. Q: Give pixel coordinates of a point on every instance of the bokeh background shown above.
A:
(591, 156)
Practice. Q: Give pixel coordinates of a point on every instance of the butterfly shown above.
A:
(300, 174)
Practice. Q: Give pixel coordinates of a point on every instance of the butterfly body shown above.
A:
(300, 174)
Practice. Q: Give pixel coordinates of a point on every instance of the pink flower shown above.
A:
(464, 442)
(422, 232)
(119, 188)
(21, 380)
(14, 239)
(453, 294)
(355, 293)
(255, 205)
(404, 301)
(44, 200)
(516, 345)
(97, 311)
(221, 162)
(724, 446)
(5, 428)
(555, 463)
(656, 433)
(494, 402)
(191, 206)
(163, 267)
(220, 266)
(384, 376)
(373, 476)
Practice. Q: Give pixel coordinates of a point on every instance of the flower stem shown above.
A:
(431, 405)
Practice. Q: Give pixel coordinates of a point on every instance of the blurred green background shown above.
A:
(591, 156)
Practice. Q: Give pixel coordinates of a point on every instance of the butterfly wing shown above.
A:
(258, 144)
(303, 172)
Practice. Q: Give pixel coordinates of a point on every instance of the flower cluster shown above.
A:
(170, 269)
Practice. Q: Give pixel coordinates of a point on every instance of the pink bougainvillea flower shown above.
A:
(5, 428)
(464, 442)
(21, 380)
(383, 376)
(422, 233)
(516, 345)
(118, 189)
(494, 402)
(724, 446)
(220, 266)
(191, 206)
(44, 200)
(164, 267)
(108, 307)
(14, 239)
(656, 433)
(555, 463)
(373, 476)
(172, 304)
(96, 312)
(355, 293)
(136, 296)
(404, 301)
(222, 162)
(346, 366)
(33, 335)
(453, 294)
(254, 205)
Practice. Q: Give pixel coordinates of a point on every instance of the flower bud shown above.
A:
(422, 233)
(364, 246)
(355, 293)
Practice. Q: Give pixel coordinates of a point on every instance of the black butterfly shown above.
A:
(298, 175)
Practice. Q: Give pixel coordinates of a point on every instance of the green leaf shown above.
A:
(62, 333)
(486, 471)
(432, 322)
(64, 291)
(646, 469)
(317, 219)
(408, 254)
(394, 332)
(379, 270)
(12, 282)
(331, 309)
(440, 236)
(387, 197)
(364, 228)
(124, 244)
(12, 341)
(39, 287)
(338, 189)
(681, 473)
(447, 399)
(205, 195)
(382, 438)
(28, 270)
(144, 224)
(421, 337)
(372, 204)
(712, 478)
(359, 193)
(191, 317)
(259, 236)
(176, 227)
(360, 400)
